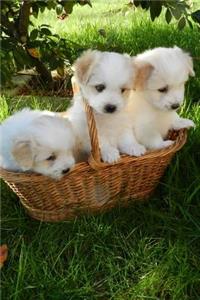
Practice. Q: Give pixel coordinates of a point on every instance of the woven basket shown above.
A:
(92, 186)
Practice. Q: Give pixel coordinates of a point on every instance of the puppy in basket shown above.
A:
(104, 79)
(38, 141)
(158, 93)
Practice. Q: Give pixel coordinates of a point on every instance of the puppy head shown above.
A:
(161, 75)
(104, 79)
(47, 147)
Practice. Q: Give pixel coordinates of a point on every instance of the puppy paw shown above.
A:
(167, 143)
(183, 123)
(163, 144)
(110, 156)
(134, 150)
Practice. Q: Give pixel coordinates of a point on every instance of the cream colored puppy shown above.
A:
(104, 79)
(38, 141)
(158, 93)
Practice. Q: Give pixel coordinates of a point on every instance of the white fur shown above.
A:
(149, 109)
(38, 135)
(115, 71)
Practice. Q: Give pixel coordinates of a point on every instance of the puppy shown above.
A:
(38, 141)
(104, 79)
(158, 93)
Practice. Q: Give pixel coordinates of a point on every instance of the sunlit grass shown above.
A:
(147, 251)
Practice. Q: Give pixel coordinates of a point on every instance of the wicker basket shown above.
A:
(92, 186)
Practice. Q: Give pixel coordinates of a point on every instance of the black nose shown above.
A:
(175, 106)
(109, 108)
(65, 170)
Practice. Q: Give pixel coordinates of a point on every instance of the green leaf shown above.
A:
(137, 2)
(34, 34)
(196, 16)
(84, 2)
(168, 16)
(51, 4)
(69, 7)
(35, 10)
(181, 23)
(145, 4)
(8, 44)
(45, 31)
(59, 9)
(176, 12)
(155, 9)
(45, 25)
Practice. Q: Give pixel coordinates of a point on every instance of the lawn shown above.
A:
(150, 250)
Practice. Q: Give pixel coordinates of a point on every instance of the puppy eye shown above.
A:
(163, 90)
(100, 87)
(51, 157)
(123, 90)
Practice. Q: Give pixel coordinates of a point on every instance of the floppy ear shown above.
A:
(83, 66)
(143, 71)
(190, 65)
(188, 58)
(22, 153)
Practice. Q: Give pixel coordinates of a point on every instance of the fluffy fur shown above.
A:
(38, 141)
(104, 79)
(158, 93)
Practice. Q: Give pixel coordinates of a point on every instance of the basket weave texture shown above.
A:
(92, 186)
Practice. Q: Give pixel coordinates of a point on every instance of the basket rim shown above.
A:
(86, 166)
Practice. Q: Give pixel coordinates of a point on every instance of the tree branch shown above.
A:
(24, 15)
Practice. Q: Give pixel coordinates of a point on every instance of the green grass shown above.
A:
(150, 250)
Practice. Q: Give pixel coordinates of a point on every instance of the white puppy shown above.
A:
(38, 141)
(158, 93)
(104, 79)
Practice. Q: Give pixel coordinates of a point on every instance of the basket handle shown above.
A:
(95, 156)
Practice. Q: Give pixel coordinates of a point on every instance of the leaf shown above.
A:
(69, 7)
(84, 2)
(196, 16)
(8, 44)
(34, 52)
(181, 23)
(34, 34)
(45, 25)
(168, 16)
(45, 31)
(35, 10)
(3, 254)
(155, 9)
(51, 4)
(145, 4)
(137, 2)
(176, 12)
(59, 9)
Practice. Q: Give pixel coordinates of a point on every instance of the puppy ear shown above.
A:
(143, 72)
(22, 153)
(190, 65)
(83, 66)
(188, 58)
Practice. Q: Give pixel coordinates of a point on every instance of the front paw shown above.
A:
(110, 155)
(183, 123)
(134, 150)
(163, 144)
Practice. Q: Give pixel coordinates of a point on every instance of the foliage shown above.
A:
(179, 9)
(25, 46)
(37, 48)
